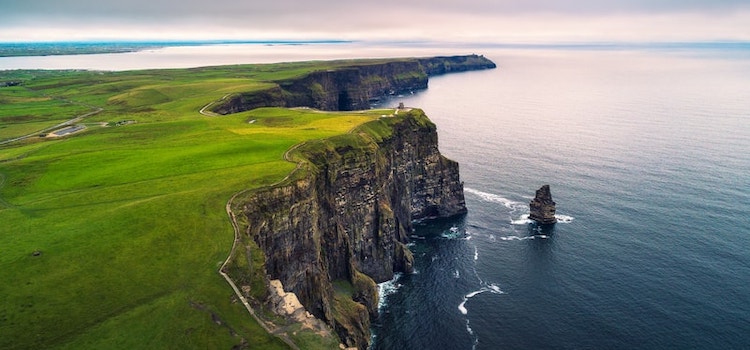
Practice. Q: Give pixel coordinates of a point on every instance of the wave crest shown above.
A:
(492, 288)
(491, 197)
(516, 238)
(387, 288)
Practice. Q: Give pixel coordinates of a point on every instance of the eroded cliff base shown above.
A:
(340, 222)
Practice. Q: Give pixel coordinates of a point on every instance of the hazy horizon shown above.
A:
(487, 21)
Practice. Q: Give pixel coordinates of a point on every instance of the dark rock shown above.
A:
(542, 207)
(347, 213)
(351, 86)
(451, 64)
(349, 216)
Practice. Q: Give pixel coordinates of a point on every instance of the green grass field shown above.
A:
(112, 237)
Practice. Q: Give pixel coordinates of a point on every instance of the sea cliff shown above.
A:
(351, 86)
(339, 224)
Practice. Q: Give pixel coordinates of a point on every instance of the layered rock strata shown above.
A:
(350, 86)
(340, 223)
(542, 207)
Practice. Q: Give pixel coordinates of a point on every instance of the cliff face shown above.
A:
(341, 225)
(351, 87)
(451, 64)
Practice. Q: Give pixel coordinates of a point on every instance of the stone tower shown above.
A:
(542, 207)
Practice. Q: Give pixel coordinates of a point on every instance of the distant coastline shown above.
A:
(26, 49)
(61, 48)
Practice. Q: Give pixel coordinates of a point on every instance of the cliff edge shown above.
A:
(350, 85)
(340, 222)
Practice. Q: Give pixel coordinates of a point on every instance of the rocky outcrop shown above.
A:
(542, 207)
(287, 304)
(452, 64)
(351, 86)
(339, 224)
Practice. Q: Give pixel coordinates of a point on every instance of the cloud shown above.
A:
(383, 19)
(152, 8)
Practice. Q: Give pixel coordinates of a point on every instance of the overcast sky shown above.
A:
(456, 20)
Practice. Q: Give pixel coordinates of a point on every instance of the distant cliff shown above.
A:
(340, 223)
(351, 86)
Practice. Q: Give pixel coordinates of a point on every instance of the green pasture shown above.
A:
(112, 237)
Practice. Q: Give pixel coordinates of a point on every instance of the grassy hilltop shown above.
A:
(112, 237)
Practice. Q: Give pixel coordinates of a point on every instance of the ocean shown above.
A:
(646, 149)
(647, 152)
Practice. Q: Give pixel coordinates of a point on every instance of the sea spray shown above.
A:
(387, 288)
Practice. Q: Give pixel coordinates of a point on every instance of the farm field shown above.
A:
(112, 237)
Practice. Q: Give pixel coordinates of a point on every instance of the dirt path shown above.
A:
(212, 114)
(280, 332)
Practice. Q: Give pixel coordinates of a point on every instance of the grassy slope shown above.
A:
(130, 220)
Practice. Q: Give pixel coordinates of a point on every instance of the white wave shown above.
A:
(513, 205)
(452, 233)
(565, 219)
(492, 288)
(495, 289)
(523, 220)
(387, 288)
(462, 308)
(490, 197)
(516, 238)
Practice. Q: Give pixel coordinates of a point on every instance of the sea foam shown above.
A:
(491, 197)
(514, 206)
(492, 288)
(387, 288)
(523, 220)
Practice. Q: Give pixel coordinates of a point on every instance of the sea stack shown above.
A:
(542, 207)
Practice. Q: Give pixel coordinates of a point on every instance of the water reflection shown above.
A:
(215, 55)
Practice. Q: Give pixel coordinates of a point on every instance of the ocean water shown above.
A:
(647, 153)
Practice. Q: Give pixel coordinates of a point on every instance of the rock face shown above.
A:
(542, 207)
(351, 86)
(340, 223)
